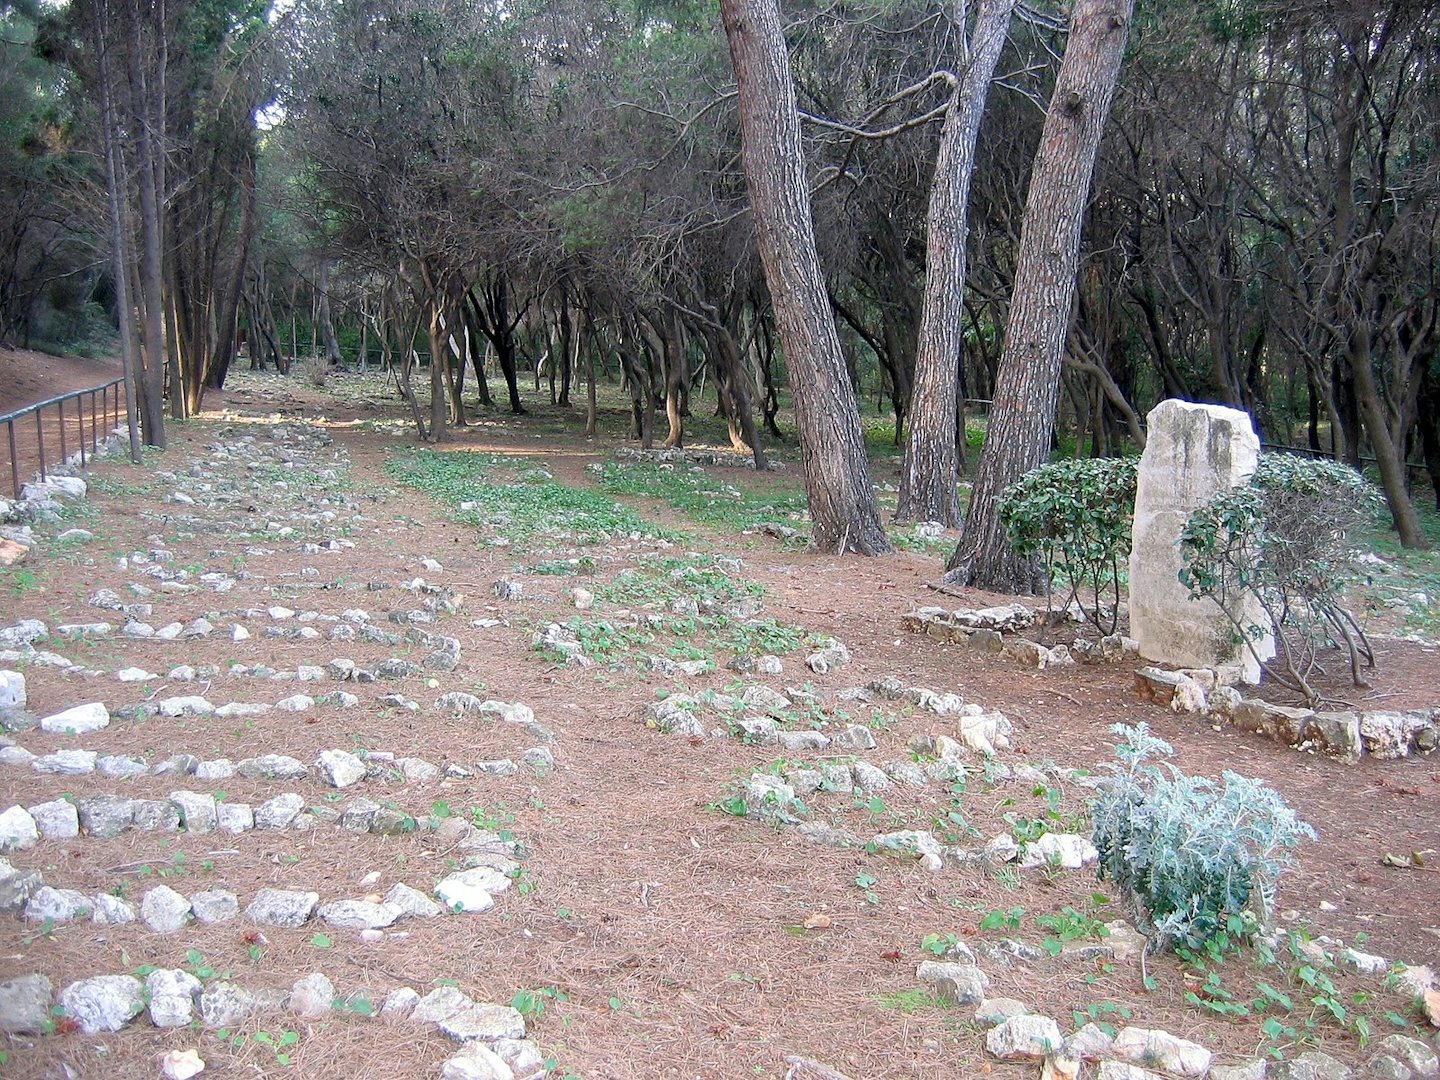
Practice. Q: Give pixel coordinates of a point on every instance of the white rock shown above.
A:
(56, 820)
(340, 768)
(357, 914)
(191, 705)
(164, 910)
(174, 997)
(182, 1065)
(104, 1003)
(234, 818)
(1065, 850)
(135, 674)
(110, 910)
(18, 829)
(1161, 1050)
(476, 1061)
(399, 1003)
(12, 690)
(282, 907)
(66, 763)
(481, 1021)
(239, 633)
(81, 720)
(1024, 1037)
(471, 890)
(296, 703)
(312, 997)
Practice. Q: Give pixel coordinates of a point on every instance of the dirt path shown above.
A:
(646, 930)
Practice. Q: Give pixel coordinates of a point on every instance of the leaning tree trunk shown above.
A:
(927, 477)
(832, 448)
(1022, 419)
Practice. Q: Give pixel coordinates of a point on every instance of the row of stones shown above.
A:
(1347, 734)
(1016, 1034)
(492, 1037)
(106, 816)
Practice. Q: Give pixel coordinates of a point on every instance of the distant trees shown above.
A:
(556, 192)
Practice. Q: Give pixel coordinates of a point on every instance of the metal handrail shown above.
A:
(104, 409)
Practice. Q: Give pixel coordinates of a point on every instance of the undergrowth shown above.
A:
(517, 500)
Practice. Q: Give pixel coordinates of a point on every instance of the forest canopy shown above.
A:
(548, 190)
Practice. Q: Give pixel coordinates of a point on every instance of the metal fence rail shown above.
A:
(100, 412)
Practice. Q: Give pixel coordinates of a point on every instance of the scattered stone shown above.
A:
(234, 818)
(410, 903)
(191, 705)
(471, 890)
(312, 997)
(157, 815)
(272, 767)
(340, 768)
(214, 906)
(197, 810)
(441, 1002)
(1065, 850)
(399, 1003)
(16, 886)
(1418, 1058)
(1311, 1065)
(25, 1005)
(223, 1004)
(174, 997)
(66, 763)
(56, 820)
(955, 984)
(1029, 1036)
(181, 1065)
(476, 1061)
(103, 816)
(480, 1021)
(830, 657)
(164, 910)
(12, 691)
(104, 1003)
(111, 910)
(18, 829)
(357, 914)
(119, 766)
(1161, 1050)
(282, 907)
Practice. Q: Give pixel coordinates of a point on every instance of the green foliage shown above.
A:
(1284, 542)
(1074, 516)
(1193, 856)
(706, 499)
(503, 496)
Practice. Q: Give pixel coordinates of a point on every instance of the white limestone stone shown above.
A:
(1191, 452)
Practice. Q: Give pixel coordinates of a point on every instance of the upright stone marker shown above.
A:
(1191, 452)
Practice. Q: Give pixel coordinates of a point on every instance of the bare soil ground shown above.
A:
(666, 937)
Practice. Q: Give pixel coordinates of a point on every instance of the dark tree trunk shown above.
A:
(1022, 419)
(832, 448)
(927, 475)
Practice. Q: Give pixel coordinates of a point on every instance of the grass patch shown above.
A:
(705, 499)
(516, 500)
(910, 1001)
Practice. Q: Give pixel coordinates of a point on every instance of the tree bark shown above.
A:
(927, 475)
(1022, 419)
(832, 448)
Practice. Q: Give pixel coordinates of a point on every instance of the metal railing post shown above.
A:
(40, 440)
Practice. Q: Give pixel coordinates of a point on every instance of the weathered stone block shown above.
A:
(1191, 453)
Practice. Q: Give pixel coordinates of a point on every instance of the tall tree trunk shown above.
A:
(1022, 419)
(927, 475)
(832, 448)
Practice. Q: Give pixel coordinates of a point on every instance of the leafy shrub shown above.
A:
(1075, 516)
(1283, 541)
(1192, 856)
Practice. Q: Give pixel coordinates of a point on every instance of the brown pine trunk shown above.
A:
(832, 448)
(1022, 418)
(927, 476)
